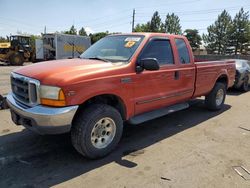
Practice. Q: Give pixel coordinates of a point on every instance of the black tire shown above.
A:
(32, 57)
(211, 99)
(16, 59)
(3, 103)
(245, 84)
(83, 126)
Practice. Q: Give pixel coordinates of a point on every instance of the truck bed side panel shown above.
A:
(209, 72)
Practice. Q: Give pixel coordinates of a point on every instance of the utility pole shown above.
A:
(133, 21)
(45, 29)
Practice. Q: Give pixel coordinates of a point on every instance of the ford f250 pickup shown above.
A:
(127, 77)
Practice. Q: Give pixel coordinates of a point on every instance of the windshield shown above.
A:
(20, 39)
(118, 48)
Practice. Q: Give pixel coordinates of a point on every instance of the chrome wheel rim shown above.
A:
(219, 97)
(103, 133)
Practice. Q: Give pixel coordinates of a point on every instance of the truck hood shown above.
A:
(59, 72)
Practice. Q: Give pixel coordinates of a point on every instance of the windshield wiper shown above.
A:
(98, 58)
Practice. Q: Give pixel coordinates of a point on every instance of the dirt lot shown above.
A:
(190, 148)
(5, 77)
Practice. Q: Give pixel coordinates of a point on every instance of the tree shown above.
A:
(217, 39)
(142, 27)
(33, 40)
(193, 37)
(2, 39)
(247, 46)
(72, 31)
(172, 24)
(82, 32)
(155, 23)
(240, 33)
(97, 36)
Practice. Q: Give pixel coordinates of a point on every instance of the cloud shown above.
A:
(89, 30)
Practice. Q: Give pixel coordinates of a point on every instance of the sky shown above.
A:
(31, 16)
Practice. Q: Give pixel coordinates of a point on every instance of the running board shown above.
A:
(157, 113)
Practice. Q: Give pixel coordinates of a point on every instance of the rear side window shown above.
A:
(182, 51)
(159, 49)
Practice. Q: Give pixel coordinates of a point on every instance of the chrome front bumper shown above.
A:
(42, 119)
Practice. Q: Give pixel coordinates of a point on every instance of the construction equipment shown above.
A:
(49, 47)
(17, 50)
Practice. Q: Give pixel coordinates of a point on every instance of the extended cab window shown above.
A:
(159, 49)
(182, 51)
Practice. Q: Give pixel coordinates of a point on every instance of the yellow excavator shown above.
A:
(17, 50)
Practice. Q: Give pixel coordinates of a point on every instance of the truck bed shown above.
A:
(207, 72)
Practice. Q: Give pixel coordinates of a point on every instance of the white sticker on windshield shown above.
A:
(135, 39)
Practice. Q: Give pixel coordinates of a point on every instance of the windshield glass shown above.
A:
(118, 48)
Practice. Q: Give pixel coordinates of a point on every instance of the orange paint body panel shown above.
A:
(146, 91)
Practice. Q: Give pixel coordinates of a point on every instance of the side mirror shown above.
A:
(150, 64)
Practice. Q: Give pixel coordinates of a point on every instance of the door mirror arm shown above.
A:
(139, 68)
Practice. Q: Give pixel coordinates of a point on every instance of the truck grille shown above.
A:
(25, 89)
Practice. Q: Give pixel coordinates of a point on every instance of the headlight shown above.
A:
(52, 96)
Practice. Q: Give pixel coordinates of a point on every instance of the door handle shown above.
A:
(176, 75)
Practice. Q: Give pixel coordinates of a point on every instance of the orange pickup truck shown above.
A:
(127, 77)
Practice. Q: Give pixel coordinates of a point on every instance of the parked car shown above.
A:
(127, 77)
(242, 76)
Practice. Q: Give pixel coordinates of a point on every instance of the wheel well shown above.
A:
(223, 79)
(108, 99)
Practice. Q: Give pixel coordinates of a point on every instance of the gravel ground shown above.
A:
(5, 77)
(190, 148)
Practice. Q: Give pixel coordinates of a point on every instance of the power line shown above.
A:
(204, 11)
(167, 4)
(113, 20)
(27, 27)
(104, 17)
(116, 25)
(184, 21)
(104, 21)
(19, 21)
(128, 10)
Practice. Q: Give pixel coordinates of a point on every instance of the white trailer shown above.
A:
(60, 46)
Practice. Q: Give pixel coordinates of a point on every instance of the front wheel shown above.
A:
(96, 130)
(16, 59)
(215, 99)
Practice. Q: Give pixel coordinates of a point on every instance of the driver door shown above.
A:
(153, 89)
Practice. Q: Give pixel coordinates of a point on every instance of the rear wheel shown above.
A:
(16, 59)
(96, 130)
(245, 85)
(215, 99)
